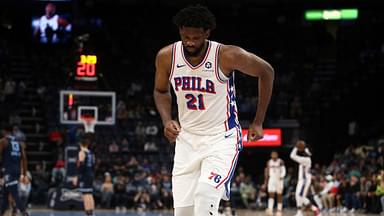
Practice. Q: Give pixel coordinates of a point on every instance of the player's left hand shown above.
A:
(255, 132)
(74, 181)
(24, 179)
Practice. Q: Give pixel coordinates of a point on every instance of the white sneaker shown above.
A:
(117, 209)
(343, 210)
(352, 211)
(299, 213)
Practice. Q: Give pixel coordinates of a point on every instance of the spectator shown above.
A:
(142, 200)
(106, 191)
(25, 189)
(247, 191)
(352, 195)
(328, 194)
(119, 194)
(39, 184)
(113, 147)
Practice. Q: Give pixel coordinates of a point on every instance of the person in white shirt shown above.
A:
(302, 156)
(327, 197)
(274, 179)
(50, 24)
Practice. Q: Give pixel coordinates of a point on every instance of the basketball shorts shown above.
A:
(86, 185)
(275, 185)
(11, 179)
(209, 159)
(302, 187)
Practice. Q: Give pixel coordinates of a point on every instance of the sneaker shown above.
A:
(279, 213)
(352, 211)
(299, 213)
(317, 212)
(117, 209)
(269, 212)
(343, 210)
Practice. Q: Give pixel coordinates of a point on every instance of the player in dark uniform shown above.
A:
(14, 167)
(85, 165)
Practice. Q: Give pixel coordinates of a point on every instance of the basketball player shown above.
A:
(14, 162)
(302, 156)
(274, 176)
(85, 165)
(207, 133)
(50, 24)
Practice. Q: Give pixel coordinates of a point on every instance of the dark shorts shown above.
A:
(11, 179)
(86, 185)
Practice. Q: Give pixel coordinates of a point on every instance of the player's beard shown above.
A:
(195, 53)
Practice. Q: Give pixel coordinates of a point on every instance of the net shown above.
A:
(89, 124)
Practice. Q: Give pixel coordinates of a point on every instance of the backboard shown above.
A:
(100, 105)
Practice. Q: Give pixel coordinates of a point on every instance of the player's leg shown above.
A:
(13, 190)
(184, 211)
(280, 195)
(271, 196)
(88, 204)
(207, 199)
(271, 202)
(4, 203)
(305, 201)
(217, 170)
(298, 196)
(185, 175)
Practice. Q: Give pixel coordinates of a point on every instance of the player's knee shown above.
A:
(207, 199)
(184, 211)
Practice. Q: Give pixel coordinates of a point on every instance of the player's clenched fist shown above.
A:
(255, 132)
(171, 130)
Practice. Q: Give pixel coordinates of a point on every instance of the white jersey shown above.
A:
(276, 169)
(304, 165)
(52, 22)
(205, 96)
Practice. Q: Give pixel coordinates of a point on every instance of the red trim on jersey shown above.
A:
(233, 160)
(217, 64)
(228, 104)
(173, 61)
(202, 62)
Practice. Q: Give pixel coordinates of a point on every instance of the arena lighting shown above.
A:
(272, 138)
(334, 14)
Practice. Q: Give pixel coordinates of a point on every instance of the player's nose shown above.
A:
(190, 43)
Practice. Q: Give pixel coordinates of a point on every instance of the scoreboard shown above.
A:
(86, 68)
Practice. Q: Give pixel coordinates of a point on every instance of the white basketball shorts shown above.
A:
(275, 185)
(207, 159)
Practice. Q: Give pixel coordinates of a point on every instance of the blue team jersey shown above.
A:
(12, 157)
(86, 167)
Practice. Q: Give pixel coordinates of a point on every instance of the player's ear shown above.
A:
(207, 33)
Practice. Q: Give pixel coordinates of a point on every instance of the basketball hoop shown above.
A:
(89, 124)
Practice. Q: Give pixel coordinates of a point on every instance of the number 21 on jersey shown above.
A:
(195, 102)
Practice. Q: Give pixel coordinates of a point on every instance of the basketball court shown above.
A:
(47, 212)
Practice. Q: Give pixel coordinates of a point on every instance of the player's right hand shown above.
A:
(171, 130)
(74, 181)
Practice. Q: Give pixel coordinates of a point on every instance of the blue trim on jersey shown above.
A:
(232, 120)
(227, 184)
(302, 188)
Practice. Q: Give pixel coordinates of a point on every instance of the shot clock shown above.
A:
(86, 68)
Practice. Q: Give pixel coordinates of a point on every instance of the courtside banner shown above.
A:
(272, 138)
